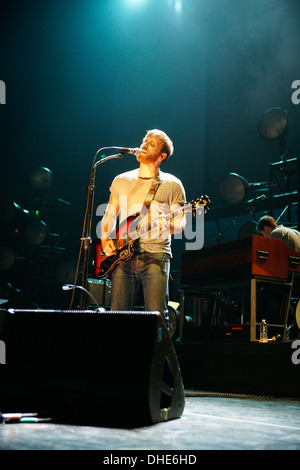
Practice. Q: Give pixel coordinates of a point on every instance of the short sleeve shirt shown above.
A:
(131, 191)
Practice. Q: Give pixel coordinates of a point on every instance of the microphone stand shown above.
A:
(87, 227)
(250, 209)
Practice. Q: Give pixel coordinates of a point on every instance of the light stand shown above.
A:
(274, 125)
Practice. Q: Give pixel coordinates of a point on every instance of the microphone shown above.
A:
(124, 150)
(68, 287)
(259, 198)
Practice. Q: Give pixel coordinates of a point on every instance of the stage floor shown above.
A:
(209, 422)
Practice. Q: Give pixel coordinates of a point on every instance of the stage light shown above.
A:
(235, 188)
(8, 258)
(15, 215)
(178, 6)
(41, 179)
(36, 232)
(248, 229)
(273, 124)
(136, 2)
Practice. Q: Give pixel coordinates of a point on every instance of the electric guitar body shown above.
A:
(104, 265)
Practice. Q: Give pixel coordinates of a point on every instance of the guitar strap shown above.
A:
(150, 196)
(152, 191)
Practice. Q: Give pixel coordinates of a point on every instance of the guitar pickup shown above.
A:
(263, 255)
(294, 260)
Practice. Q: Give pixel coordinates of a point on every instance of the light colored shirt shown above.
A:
(131, 192)
(289, 236)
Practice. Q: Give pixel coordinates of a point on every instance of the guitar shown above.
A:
(128, 233)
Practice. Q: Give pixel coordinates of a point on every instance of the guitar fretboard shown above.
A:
(138, 233)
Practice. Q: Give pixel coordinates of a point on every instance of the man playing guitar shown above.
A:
(131, 193)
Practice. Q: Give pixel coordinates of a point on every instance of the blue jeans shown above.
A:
(151, 270)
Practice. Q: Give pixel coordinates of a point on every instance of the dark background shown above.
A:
(84, 74)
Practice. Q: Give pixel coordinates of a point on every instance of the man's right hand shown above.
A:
(108, 247)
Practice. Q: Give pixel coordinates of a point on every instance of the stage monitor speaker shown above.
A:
(89, 367)
(100, 290)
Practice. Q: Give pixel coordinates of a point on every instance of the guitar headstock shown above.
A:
(203, 201)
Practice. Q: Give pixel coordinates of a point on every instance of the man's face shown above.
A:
(150, 149)
(266, 232)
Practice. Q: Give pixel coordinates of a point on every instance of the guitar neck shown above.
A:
(135, 234)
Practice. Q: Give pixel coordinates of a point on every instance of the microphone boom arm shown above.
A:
(109, 157)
